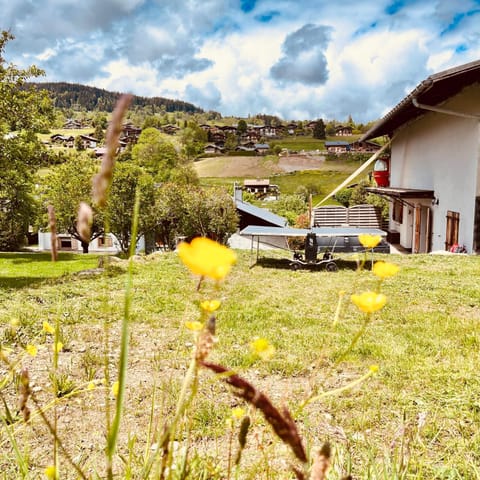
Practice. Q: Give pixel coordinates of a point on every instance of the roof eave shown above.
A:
(406, 111)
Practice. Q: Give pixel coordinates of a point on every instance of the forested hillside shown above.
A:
(72, 95)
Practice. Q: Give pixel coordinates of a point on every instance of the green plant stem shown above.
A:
(190, 383)
(53, 431)
(22, 464)
(55, 392)
(354, 341)
(122, 369)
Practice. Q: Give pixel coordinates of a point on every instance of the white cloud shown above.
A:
(294, 58)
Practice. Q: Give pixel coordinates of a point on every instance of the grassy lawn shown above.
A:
(23, 269)
(417, 418)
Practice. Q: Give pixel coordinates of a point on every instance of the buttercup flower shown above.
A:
(210, 305)
(91, 386)
(207, 258)
(262, 348)
(115, 388)
(51, 472)
(384, 269)
(194, 326)
(47, 328)
(369, 302)
(238, 412)
(369, 241)
(31, 350)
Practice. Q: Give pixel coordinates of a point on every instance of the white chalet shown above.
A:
(435, 162)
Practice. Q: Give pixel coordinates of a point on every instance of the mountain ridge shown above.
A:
(70, 95)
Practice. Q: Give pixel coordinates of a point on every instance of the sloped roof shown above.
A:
(339, 143)
(433, 91)
(261, 213)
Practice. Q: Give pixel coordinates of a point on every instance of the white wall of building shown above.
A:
(44, 243)
(441, 152)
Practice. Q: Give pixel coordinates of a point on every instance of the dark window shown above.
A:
(453, 222)
(397, 211)
(476, 227)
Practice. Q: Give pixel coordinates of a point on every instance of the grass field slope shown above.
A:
(417, 417)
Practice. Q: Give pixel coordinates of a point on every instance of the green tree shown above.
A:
(242, 127)
(17, 205)
(193, 139)
(22, 106)
(79, 144)
(289, 206)
(170, 209)
(23, 111)
(211, 213)
(65, 187)
(119, 211)
(343, 196)
(319, 130)
(231, 142)
(152, 121)
(156, 155)
(99, 134)
(193, 211)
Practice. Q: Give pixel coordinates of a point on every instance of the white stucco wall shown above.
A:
(44, 243)
(441, 152)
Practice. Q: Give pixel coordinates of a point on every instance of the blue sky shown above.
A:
(298, 59)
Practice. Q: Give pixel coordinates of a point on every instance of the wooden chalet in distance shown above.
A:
(260, 186)
(343, 131)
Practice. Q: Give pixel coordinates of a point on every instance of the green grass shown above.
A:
(25, 269)
(426, 342)
(322, 181)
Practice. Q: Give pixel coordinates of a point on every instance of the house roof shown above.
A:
(337, 144)
(397, 192)
(261, 213)
(263, 182)
(434, 90)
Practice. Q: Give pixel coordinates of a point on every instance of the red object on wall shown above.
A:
(381, 172)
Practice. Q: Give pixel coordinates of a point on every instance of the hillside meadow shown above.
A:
(417, 417)
(288, 172)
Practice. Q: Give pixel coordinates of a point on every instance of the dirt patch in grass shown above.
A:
(293, 163)
(257, 166)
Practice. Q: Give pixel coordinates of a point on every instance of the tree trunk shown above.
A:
(84, 246)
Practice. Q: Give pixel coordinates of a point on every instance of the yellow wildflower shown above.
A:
(369, 302)
(51, 472)
(194, 326)
(57, 347)
(373, 368)
(31, 350)
(369, 241)
(47, 328)
(210, 305)
(115, 388)
(91, 386)
(262, 348)
(207, 258)
(385, 269)
(238, 412)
